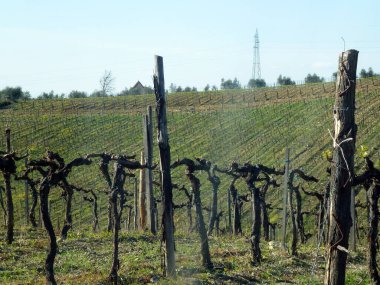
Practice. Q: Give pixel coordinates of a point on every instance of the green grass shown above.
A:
(85, 258)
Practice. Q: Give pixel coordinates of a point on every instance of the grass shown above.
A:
(85, 258)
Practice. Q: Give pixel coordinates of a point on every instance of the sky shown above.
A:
(68, 45)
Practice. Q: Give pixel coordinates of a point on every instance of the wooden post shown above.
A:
(148, 153)
(135, 207)
(8, 193)
(285, 198)
(229, 211)
(342, 170)
(142, 196)
(353, 217)
(166, 183)
(26, 198)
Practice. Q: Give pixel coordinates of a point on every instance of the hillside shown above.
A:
(246, 125)
(223, 126)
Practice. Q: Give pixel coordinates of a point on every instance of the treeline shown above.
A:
(12, 94)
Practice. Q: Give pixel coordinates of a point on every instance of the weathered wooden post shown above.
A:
(229, 210)
(135, 207)
(353, 217)
(148, 153)
(166, 182)
(142, 196)
(342, 170)
(27, 198)
(8, 193)
(285, 199)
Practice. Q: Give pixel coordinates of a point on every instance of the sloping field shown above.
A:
(223, 126)
(239, 125)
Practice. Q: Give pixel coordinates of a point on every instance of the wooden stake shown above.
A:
(148, 153)
(342, 171)
(285, 199)
(166, 183)
(8, 193)
(142, 196)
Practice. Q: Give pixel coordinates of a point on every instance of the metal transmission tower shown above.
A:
(256, 69)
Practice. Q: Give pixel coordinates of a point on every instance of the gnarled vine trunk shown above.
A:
(256, 225)
(205, 250)
(68, 217)
(373, 231)
(9, 205)
(215, 182)
(299, 216)
(44, 204)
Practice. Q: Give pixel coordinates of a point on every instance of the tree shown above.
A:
(366, 74)
(13, 94)
(187, 89)
(97, 93)
(179, 89)
(207, 88)
(172, 88)
(50, 95)
(283, 80)
(256, 83)
(214, 88)
(106, 83)
(77, 94)
(230, 84)
(313, 78)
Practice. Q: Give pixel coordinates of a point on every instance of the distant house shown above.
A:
(138, 88)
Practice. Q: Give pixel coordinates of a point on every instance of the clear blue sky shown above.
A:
(66, 45)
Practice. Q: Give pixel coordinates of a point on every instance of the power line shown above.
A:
(256, 69)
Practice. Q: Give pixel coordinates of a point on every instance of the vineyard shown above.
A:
(229, 129)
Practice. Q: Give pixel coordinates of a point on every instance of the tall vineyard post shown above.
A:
(135, 204)
(142, 196)
(342, 170)
(8, 193)
(26, 198)
(285, 198)
(166, 184)
(148, 153)
(353, 217)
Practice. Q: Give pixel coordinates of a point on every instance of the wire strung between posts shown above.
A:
(335, 143)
